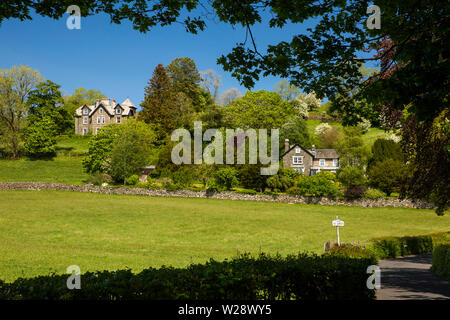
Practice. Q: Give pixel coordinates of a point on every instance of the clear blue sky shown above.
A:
(118, 60)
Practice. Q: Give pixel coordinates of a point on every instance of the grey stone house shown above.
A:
(89, 119)
(309, 162)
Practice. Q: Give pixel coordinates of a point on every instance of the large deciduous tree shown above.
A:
(15, 87)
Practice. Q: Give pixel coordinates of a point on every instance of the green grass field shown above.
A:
(47, 231)
(61, 169)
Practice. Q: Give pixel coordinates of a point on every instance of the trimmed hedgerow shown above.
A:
(441, 261)
(391, 247)
(302, 276)
(352, 251)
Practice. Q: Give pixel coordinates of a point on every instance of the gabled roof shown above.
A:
(126, 106)
(317, 153)
(297, 145)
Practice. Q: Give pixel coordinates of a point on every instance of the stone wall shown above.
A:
(291, 199)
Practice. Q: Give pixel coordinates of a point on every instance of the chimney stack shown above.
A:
(286, 145)
(313, 149)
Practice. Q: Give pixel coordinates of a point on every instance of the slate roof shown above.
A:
(317, 153)
(126, 106)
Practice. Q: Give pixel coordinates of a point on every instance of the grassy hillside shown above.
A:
(45, 231)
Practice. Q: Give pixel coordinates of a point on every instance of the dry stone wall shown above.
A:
(405, 203)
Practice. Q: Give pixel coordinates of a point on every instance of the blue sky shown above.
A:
(118, 60)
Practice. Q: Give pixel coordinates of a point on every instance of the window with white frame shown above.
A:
(84, 131)
(85, 111)
(118, 120)
(100, 111)
(118, 111)
(322, 162)
(335, 162)
(297, 160)
(103, 119)
(85, 120)
(297, 150)
(98, 120)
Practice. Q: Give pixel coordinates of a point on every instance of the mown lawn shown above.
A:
(47, 231)
(61, 169)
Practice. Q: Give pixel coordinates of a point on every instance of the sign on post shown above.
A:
(337, 223)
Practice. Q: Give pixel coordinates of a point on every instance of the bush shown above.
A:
(441, 261)
(354, 192)
(279, 183)
(132, 180)
(351, 177)
(226, 178)
(352, 251)
(302, 276)
(391, 247)
(319, 185)
(374, 194)
(183, 177)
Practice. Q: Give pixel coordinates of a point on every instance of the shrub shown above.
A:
(132, 180)
(183, 177)
(441, 261)
(321, 128)
(352, 251)
(226, 178)
(374, 194)
(354, 192)
(302, 276)
(319, 185)
(351, 177)
(391, 247)
(165, 182)
(279, 183)
(387, 175)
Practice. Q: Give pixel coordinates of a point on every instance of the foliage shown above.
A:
(158, 106)
(383, 149)
(229, 96)
(260, 109)
(226, 178)
(319, 185)
(184, 77)
(16, 85)
(387, 175)
(250, 177)
(296, 130)
(132, 180)
(354, 192)
(352, 151)
(321, 128)
(287, 91)
(374, 194)
(352, 251)
(120, 150)
(100, 147)
(303, 277)
(391, 247)
(351, 176)
(365, 125)
(309, 101)
(441, 261)
(279, 183)
(40, 137)
(131, 150)
(427, 148)
(46, 100)
(183, 176)
(80, 97)
(330, 138)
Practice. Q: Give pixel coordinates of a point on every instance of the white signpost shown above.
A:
(338, 223)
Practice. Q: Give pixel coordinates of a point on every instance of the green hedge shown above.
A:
(441, 261)
(303, 276)
(391, 247)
